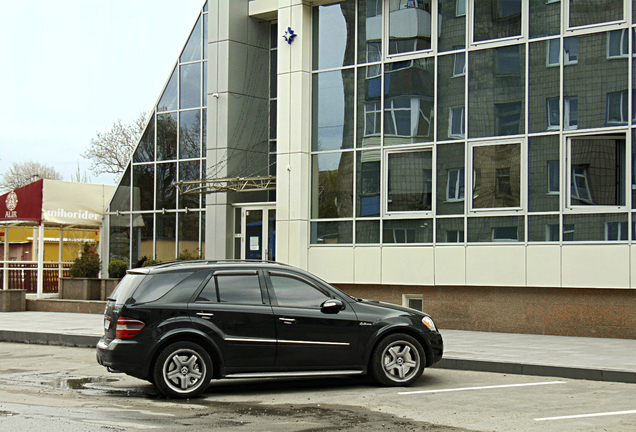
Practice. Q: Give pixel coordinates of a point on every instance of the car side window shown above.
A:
(208, 294)
(296, 293)
(239, 289)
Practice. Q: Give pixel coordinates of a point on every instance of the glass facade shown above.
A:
(147, 217)
(472, 121)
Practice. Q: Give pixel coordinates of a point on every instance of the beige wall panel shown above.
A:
(368, 265)
(282, 240)
(298, 243)
(450, 265)
(284, 49)
(299, 176)
(283, 188)
(283, 129)
(299, 98)
(408, 265)
(596, 266)
(333, 264)
(503, 265)
(544, 266)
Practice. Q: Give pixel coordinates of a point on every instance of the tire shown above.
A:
(182, 370)
(397, 360)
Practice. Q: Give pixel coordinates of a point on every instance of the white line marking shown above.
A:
(587, 415)
(482, 388)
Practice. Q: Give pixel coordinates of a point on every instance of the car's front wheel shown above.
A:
(182, 370)
(398, 360)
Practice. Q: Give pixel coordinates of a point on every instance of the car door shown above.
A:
(234, 310)
(308, 337)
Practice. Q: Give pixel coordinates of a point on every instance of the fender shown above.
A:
(395, 327)
(186, 333)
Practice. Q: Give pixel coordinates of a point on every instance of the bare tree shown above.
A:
(110, 151)
(79, 176)
(21, 174)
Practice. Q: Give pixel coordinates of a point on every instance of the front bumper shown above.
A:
(436, 344)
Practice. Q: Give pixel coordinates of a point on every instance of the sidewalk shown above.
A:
(596, 359)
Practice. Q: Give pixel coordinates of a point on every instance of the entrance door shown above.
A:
(256, 232)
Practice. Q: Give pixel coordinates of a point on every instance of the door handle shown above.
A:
(205, 315)
(287, 320)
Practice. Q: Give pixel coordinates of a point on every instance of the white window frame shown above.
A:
(623, 43)
(563, 51)
(459, 196)
(461, 55)
(550, 107)
(457, 3)
(549, 47)
(451, 116)
(566, 17)
(375, 108)
(459, 236)
(498, 41)
(384, 181)
(621, 226)
(406, 298)
(551, 172)
(567, 110)
(623, 100)
(415, 109)
(496, 238)
(567, 58)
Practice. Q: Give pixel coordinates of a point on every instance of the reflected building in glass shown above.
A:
(416, 144)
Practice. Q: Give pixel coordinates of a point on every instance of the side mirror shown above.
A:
(332, 306)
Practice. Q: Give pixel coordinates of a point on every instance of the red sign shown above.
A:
(23, 204)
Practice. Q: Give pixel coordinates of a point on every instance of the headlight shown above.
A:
(428, 322)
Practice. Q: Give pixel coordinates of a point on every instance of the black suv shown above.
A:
(179, 325)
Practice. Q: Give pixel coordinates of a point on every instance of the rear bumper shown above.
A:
(128, 357)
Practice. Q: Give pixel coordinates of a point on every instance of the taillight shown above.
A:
(128, 327)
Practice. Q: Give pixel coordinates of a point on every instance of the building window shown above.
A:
(553, 177)
(455, 185)
(570, 113)
(508, 61)
(402, 235)
(372, 113)
(410, 181)
(552, 232)
(408, 117)
(580, 190)
(570, 51)
(413, 301)
(617, 108)
(456, 122)
(505, 234)
(615, 231)
(496, 176)
(460, 8)
(508, 118)
(374, 54)
(504, 9)
(454, 236)
(618, 43)
(460, 63)
(374, 8)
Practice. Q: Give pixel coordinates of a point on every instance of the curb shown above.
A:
(537, 370)
(63, 339)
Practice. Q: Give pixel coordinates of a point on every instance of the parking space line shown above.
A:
(482, 388)
(587, 415)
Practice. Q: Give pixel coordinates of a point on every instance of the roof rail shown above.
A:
(222, 261)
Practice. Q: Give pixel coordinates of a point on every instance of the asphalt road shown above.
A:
(52, 388)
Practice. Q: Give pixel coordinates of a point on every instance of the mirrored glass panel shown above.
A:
(144, 230)
(497, 176)
(496, 19)
(496, 229)
(367, 231)
(145, 151)
(545, 18)
(143, 187)
(189, 171)
(409, 25)
(190, 95)
(543, 173)
(595, 227)
(192, 50)
(168, 101)
(597, 172)
(167, 136)
(121, 198)
(595, 86)
(368, 183)
(119, 238)
(332, 185)
(410, 181)
(544, 79)
(334, 35)
(189, 134)
(450, 230)
(407, 231)
(586, 12)
(205, 36)
(451, 105)
(452, 24)
(633, 182)
(408, 101)
(331, 232)
(166, 236)
(333, 121)
(189, 235)
(544, 228)
(369, 106)
(450, 179)
(496, 92)
(166, 192)
(369, 31)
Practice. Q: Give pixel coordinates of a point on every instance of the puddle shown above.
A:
(7, 414)
(78, 383)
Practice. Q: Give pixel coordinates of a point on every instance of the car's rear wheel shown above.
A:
(398, 360)
(182, 370)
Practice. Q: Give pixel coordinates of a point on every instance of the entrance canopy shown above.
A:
(56, 203)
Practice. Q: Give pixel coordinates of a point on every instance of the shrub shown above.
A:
(149, 262)
(88, 263)
(117, 269)
(186, 255)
